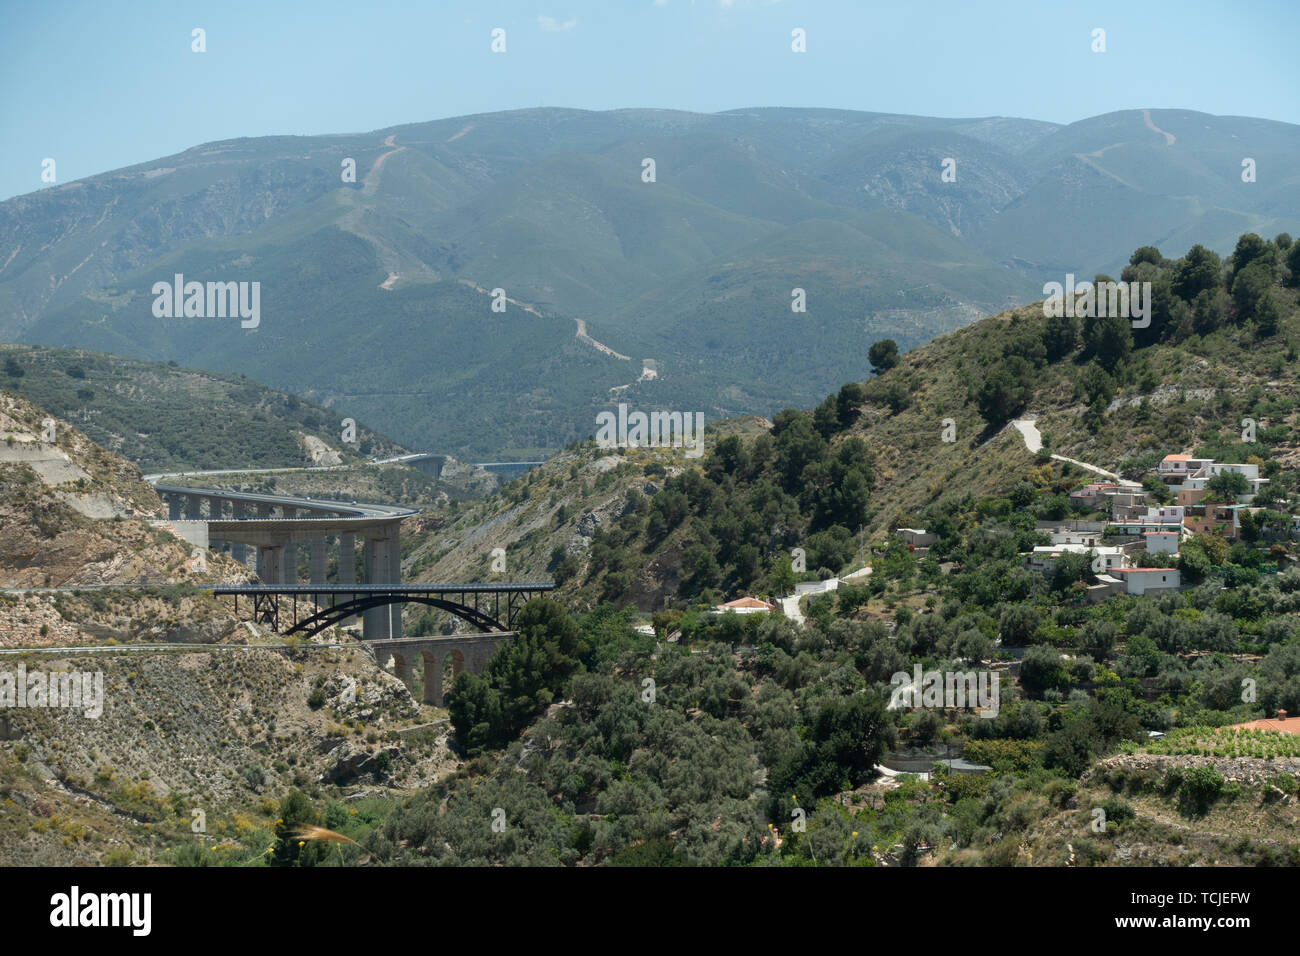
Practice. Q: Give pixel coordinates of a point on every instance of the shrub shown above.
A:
(1117, 810)
(1198, 788)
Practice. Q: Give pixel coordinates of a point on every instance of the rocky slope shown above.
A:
(224, 729)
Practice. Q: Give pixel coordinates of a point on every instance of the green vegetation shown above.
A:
(749, 740)
(162, 417)
(797, 716)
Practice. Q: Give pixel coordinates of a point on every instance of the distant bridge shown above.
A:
(489, 607)
(276, 525)
(468, 652)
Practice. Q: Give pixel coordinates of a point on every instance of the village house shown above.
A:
(1070, 525)
(1142, 527)
(1103, 494)
(1092, 494)
(1174, 468)
(1199, 471)
(745, 605)
(1214, 517)
(1145, 580)
(1091, 539)
(1147, 514)
(1134, 581)
(917, 539)
(1106, 557)
(1162, 542)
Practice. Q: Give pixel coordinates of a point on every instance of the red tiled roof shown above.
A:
(749, 602)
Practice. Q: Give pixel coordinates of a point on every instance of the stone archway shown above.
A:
(432, 679)
(442, 658)
(441, 666)
(401, 669)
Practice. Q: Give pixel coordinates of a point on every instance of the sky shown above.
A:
(102, 84)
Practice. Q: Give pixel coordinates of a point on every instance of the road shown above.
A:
(351, 509)
(790, 603)
(398, 459)
(1034, 442)
(249, 471)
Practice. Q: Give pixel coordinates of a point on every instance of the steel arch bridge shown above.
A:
(488, 607)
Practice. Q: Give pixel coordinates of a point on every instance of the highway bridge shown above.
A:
(490, 607)
(433, 464)
(427, 462)
(271, 528)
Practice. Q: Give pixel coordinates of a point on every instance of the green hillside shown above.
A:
(687, 746)
(433, 362)
(163, 417)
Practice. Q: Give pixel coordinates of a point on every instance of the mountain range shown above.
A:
(666, 290)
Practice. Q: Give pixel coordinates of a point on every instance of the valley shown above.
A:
(709, 434)
(946, 513)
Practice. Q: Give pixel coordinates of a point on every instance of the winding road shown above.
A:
(1034, 442)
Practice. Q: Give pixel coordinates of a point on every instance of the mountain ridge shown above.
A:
(550, 205)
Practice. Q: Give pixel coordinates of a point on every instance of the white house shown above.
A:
(1219, 467)
(1196, 476)
(1162, 542)
(1144, 580)
(917, 539)
(1091, 539)
(1105, 558)
(1181, 466)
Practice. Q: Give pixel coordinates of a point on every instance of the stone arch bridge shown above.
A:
(468, 652)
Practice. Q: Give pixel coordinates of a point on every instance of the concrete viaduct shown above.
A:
(267, 531)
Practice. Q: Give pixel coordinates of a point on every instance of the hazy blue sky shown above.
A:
(102, 84)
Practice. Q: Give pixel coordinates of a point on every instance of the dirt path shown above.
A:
(588, 340)
(1034, 441)
(1169, 137)
(582, 335)
(371, 182)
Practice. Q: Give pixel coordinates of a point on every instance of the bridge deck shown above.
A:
(502, 588)
(350, 600)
